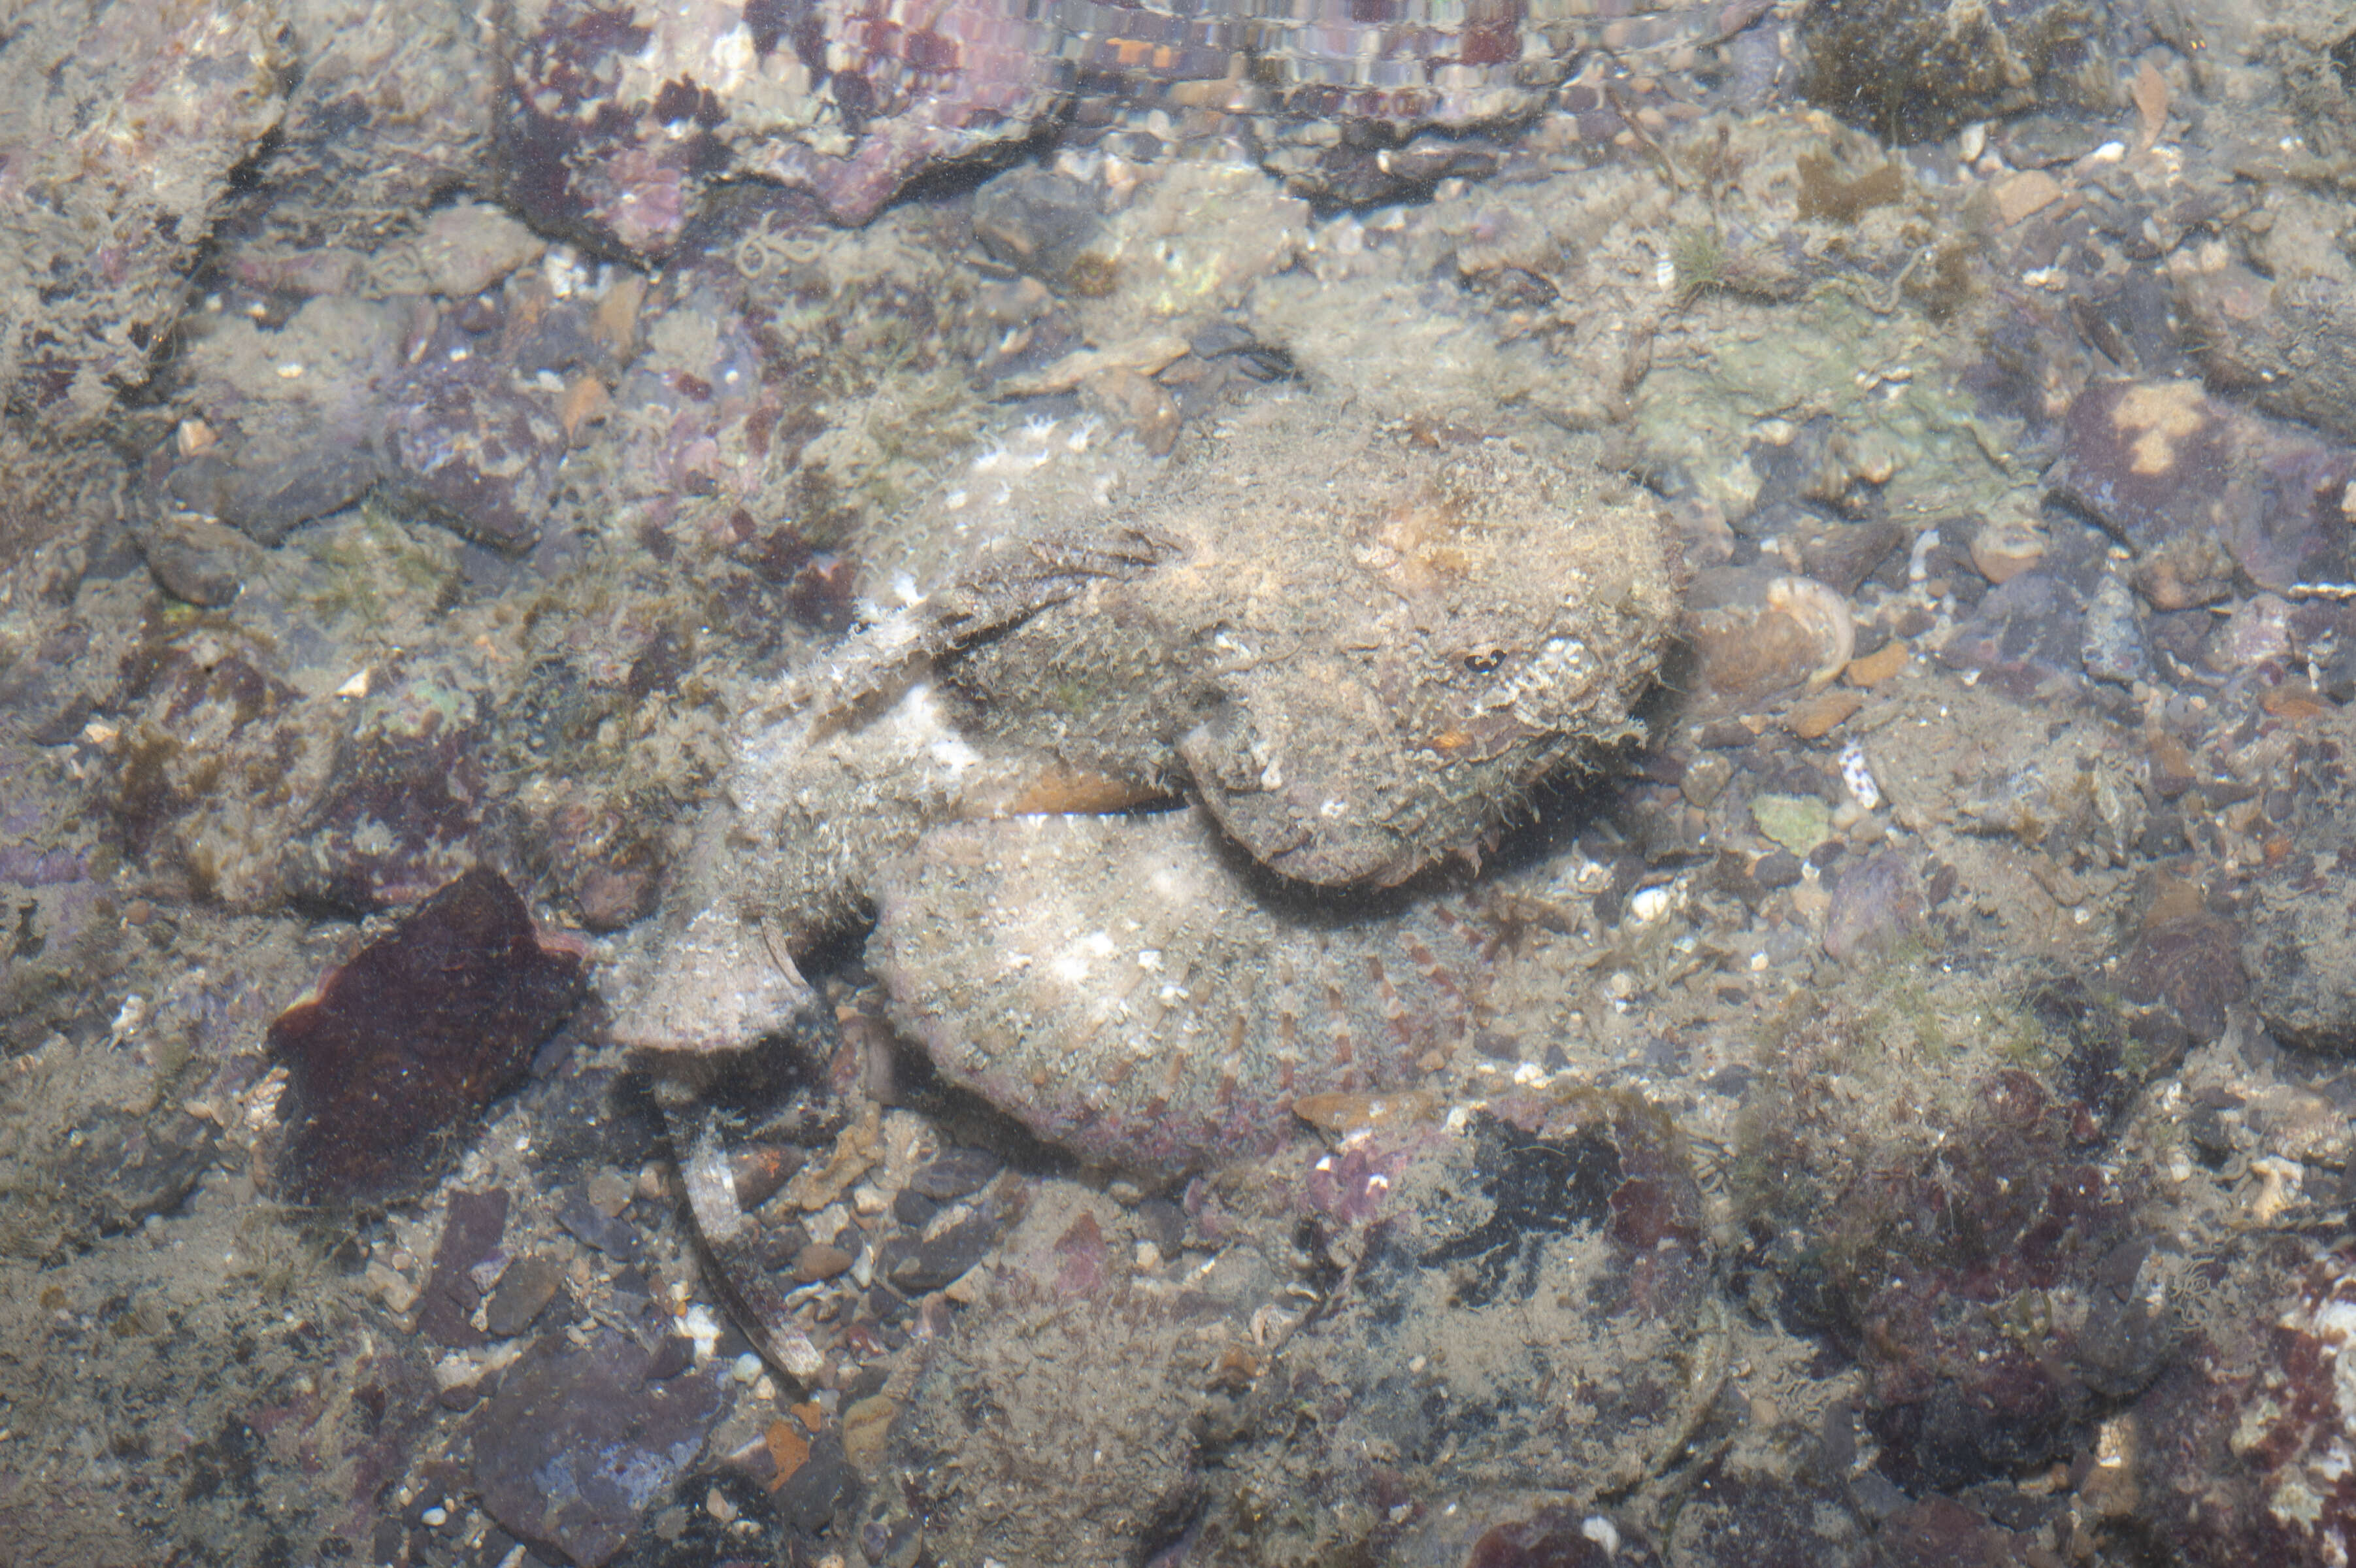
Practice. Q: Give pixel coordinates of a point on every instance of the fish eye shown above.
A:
(1483, 659)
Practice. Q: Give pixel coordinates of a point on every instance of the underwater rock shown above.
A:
(1557, 1243)
(2297, 948)
(400, 814)
(1095, 1380)
(1742, 1515)
(618, 122)
(389, 111)
(467, 446)
(351, 396)
(526, 1288)
(580, 1441)
(1842, 555)
(215, 757)
(615, 126)
(62, 928)
(195, 559)
(410, 1039)
(120, 129)
(1047, 225)
(2283, 340)
(2138, 455)
(2258, 632)
(2112, 645)
(2167, 469)
(1940, 1532)
(111, 1116)
(2240, 1452)
(1916, 70)
(288, 419)
(1877, 907)
(1944, 1219)
(1462, 1280)
(2308, 43)
(445, 1306)
(1119, 987)
(2298, 919)
(227, 772)
(1797, 822)
(2026, 635)
(2189, 961)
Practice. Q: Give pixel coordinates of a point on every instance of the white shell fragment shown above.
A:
(1857, 774)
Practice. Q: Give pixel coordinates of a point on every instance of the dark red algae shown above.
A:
(404, 1044)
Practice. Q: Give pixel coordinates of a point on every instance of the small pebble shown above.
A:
(1820, 716)
(1877, 666)
(2112, 645)
(1725, 734)
(1798, 822)
(1705, 778)
(609, 1193)
(819, 1262)
(955, 1172)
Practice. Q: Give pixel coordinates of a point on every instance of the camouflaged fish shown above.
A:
(1355, 647)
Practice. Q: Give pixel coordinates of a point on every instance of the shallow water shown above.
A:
(1063, 789)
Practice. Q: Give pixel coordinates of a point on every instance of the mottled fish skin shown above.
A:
(620, 114)
(1122, 986)
(1359, 646)
(1355, 645)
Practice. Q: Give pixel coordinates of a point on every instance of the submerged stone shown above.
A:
(580, 1441)
(404, 1046)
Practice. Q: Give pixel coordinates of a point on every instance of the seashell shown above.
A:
(1857, 772)
(1826, 616)
(1757, 637)
(2004, 548)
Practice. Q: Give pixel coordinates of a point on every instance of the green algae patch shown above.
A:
(1798, 822)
